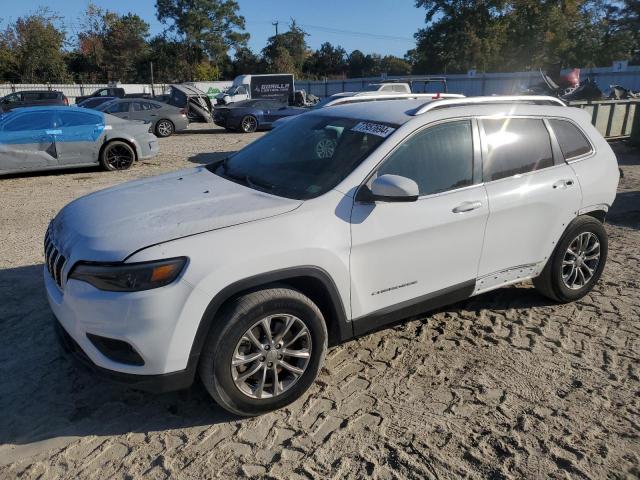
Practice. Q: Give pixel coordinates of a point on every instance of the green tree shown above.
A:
(327, 61)
(287, 50)
(125, 44)
(8, 61)
(33, 46)
(361, 65)
(245, 61)
(460, 34)
(392, 65)
(507, 35)
(169, 58)
(110, 46)
(206, 71)
(207, 28)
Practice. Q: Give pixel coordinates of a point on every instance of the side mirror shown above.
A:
(391, 188)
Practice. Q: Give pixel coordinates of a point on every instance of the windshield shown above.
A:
(372, 87)
(305, 157)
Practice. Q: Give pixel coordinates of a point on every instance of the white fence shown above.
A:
(479, 84)
(74, 90)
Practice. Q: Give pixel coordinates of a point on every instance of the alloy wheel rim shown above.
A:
(164, 128)
(271, 356)
(581, 260)
(325, 148)
(249, 124)
(119, 157)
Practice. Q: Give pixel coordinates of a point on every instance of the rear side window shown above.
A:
(438, 159)
(119, 107)
(515, 146)
(47, 95)
(77, 119)
(30, 121)
(572, 141)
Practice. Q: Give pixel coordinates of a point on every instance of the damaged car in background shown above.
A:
(196, 102)
(43, 138)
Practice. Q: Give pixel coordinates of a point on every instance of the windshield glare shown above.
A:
(305, 157)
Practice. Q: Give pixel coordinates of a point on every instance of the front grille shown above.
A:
(54, 259)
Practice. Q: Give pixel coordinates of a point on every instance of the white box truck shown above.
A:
(278, 86)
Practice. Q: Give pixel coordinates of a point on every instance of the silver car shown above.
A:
(42, 138)
(165, 119)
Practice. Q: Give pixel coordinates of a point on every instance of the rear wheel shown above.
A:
(117, 155)
(164, 128)
(576, 263)
(249, 124)
(264, 351)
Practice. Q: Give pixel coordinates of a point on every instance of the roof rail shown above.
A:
(398, 96)
(535, 99)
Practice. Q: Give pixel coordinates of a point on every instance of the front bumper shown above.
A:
(146, 321)
(149, 147)
(151, 383)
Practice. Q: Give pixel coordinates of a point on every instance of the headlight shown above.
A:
(129, 277)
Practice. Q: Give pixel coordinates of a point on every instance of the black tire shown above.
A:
(231, 325)
(249, 124)
(164, 128)
(550, 282)
(117, 155)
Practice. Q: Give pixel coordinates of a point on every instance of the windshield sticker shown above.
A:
(373, 129)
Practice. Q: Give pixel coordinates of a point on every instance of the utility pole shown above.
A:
(275, 24)
(153, 93)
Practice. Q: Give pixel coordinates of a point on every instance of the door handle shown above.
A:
(467, 207)
(564, 183)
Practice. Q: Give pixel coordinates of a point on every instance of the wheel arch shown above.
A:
(600, 215)
(119, 139)
(314, 282)
(162, 119)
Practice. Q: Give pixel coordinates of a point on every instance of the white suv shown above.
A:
(339, 222)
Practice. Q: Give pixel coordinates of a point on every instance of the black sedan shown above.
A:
(251, 115)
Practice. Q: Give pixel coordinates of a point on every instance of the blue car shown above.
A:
(251, 115)
(42, 138)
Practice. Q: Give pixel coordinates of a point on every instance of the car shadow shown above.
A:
(202, 131)
(46, 394)
(53, 172)
(625, 211)
(626, 152)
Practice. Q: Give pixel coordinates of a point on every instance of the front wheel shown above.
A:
(117, 155)
(576, 263)
(264, 351)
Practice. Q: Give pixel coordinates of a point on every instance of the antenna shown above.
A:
(275, 24)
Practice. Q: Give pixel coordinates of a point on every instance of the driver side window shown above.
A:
(438, 158)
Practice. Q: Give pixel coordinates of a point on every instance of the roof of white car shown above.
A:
(392, 111)
(401, 111)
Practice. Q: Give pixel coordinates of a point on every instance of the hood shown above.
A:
(111, 224)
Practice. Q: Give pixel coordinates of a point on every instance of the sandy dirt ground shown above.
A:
(505, 385)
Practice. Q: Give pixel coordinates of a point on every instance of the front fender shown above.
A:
(306, 242)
